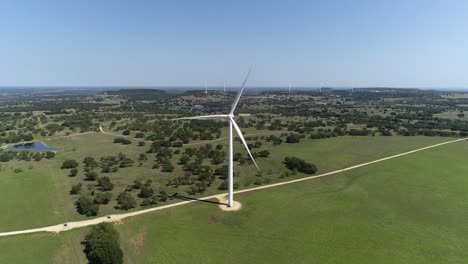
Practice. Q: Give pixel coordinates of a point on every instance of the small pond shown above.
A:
(34, 146)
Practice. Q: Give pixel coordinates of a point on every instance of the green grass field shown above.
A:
(451, 115)
(411, 209)
(44, 188)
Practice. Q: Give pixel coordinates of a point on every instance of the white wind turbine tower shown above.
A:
(224, 88)
(289, 87)
(206, 87)
(232, 123)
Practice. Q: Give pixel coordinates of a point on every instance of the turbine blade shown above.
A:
(239, 132)
(236, 101)
(207, 117)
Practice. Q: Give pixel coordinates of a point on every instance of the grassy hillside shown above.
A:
(412, 209)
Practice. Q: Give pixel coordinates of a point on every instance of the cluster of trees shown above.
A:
(15, 137)
(82, 121)
(88, 202)
(198, 155)
(297, 164)
(25, 155)
(146, 192)
(113, 163)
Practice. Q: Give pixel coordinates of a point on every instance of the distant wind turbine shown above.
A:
(289, 87)
(206, 87)
(232, 123)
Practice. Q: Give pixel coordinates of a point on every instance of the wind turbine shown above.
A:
(289, 87)
(224, 88)
(232, 123)
(206, 87)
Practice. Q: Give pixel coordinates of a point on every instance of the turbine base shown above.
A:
(224, 207)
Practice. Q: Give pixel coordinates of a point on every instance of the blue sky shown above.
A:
(178, 43)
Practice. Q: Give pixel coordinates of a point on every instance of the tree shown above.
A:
(148, 182)
(149, 201)
(237, 156)
(142, 157)
(257, 144)
(69, 164)
(105, 183)
(103, 198)
(223, 186)
(76, 189)
(91, 175)
(264, 153)
(86, 206)
(167, 166)
(49, 154)
(162, 196)
(222, 172)
(90, 162)
(102, 245)
(37, 156)
(293, 138)
(73, 172)
(137, 184)
(146, 192)
(184, 159)
(177, 144)
(126, 201)
(126, 162)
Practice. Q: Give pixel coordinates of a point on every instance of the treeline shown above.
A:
(6, 156)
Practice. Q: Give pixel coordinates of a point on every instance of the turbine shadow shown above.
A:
(185, 198)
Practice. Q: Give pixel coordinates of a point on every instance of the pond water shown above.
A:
(35, 146)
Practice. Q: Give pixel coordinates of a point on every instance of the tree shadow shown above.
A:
(185, 198)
